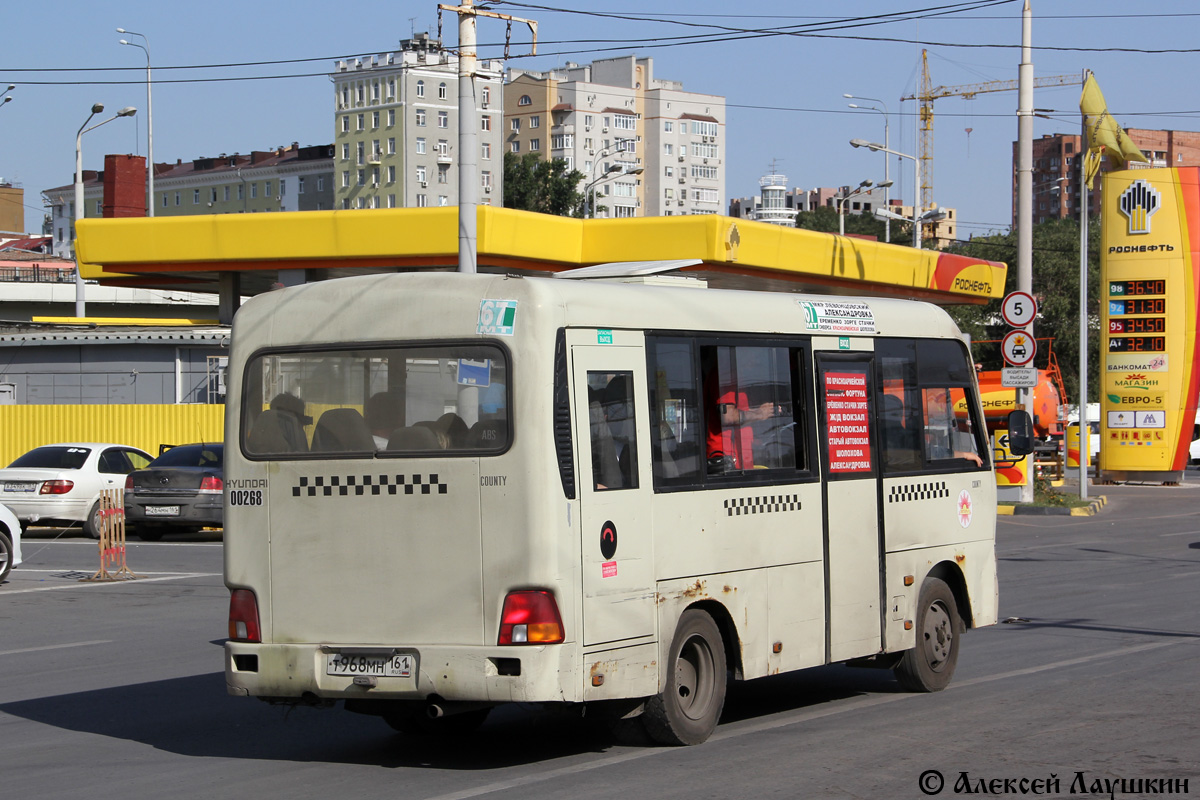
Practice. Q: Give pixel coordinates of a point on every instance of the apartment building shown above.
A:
(396, 128)
(644, 145)
(1056, 168)
(291, 178)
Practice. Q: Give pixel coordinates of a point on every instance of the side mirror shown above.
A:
(1020, 433)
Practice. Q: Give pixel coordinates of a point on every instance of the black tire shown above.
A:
(91, 525)
(689, 707)
(412, 719)
(929, 666)
(6, 556)
(149, 533)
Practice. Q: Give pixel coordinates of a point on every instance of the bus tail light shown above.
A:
(243, 616)
(530, 617)
(56, 487)
(212, 483)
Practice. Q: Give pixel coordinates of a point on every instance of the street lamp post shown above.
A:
(128, 111)
(887, 200)
(589, 191)
(876, 147)
(149, 120)
(6, 99)
(841, 204)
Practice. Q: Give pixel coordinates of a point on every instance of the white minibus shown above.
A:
(446, 492)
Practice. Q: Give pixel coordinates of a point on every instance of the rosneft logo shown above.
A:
(1138, 203)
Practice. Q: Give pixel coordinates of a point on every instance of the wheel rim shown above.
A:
(695, 671)
(939, 636)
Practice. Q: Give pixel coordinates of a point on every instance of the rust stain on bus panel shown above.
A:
(960, 558)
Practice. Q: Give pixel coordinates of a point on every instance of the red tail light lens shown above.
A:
(243, 616)
(57, 487)
(530, 617)
(211, 483)
(128, 481)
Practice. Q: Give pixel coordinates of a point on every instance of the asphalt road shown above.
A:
(116, 690)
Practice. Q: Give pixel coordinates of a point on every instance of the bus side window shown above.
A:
(675, 424)
(945, 376)
(613, 432)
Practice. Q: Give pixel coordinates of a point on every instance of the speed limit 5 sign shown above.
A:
(1018, 309)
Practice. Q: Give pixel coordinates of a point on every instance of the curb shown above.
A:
(1054, 511)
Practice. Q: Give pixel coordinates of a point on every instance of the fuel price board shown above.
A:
(1150, 271)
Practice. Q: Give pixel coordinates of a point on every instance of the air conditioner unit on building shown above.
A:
(683, 180)
(681, 158)
(487, 190)
(424, 184)
(706, 161)
(680, 202)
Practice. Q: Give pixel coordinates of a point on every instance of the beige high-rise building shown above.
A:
(644, 145)
(396, 128)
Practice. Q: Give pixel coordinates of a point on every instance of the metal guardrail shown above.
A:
(36, 274)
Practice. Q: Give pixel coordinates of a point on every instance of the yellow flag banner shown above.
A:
(1104, 135)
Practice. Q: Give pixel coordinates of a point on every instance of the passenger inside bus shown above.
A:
(383, 413)
(730, 435)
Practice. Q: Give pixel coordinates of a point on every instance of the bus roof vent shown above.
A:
(627, 269)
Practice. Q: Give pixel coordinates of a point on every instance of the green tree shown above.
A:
(547, 187)
(1056, 287)
(825, 219)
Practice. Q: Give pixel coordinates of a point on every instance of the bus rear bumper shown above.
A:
(455, 673)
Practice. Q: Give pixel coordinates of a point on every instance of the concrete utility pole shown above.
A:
(1025, 197)
(468, 126)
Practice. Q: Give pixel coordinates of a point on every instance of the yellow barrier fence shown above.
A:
(24, 427)
(112, 539)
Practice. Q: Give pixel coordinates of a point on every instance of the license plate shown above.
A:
(379, 665)
(162, 511)
(16, 486)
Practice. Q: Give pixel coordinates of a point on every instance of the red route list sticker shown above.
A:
(608, 569)
(847, 422)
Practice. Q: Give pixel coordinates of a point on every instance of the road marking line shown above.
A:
(783, 719)
(53, 647)
(88, 570)
(133, 581)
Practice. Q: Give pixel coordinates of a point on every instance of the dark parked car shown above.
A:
(181, 491)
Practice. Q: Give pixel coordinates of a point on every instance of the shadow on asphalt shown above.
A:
(194, 716)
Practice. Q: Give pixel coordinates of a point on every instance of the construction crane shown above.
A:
(929, 93)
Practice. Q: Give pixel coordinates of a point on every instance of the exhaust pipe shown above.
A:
(437, 708)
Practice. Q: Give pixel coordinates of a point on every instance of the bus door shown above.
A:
(612, 431)
(853, 582)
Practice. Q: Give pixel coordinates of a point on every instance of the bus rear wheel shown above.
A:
(929, 666)
(687, 710)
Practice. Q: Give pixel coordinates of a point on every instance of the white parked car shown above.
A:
(10, 542)
(60, 484)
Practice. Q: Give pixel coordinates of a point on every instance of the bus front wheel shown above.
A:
(687, 710)
(929, 666)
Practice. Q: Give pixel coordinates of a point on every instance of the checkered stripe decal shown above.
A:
(343, 486)
(917, 491)
(767, 504)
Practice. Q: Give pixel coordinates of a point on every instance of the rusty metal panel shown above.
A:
(24, 427)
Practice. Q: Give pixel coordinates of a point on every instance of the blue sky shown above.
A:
(784, 92)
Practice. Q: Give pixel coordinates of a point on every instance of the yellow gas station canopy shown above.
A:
(191, 252)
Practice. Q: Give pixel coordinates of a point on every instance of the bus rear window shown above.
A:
(377, 402)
